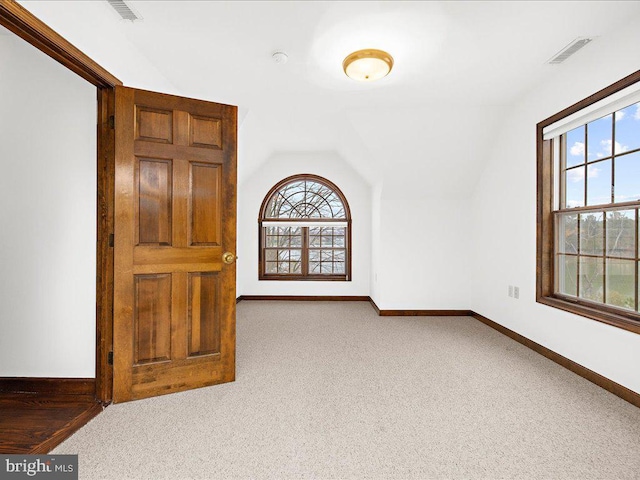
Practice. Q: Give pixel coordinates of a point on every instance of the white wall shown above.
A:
(423, 255)
(48, 216)
(376, 241)
(251, 193)
(424, 161)
(504, 213)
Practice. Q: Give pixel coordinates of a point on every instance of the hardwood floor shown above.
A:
(34, 423)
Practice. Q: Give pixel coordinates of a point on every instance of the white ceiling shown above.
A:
(452, 59)
(472, 52)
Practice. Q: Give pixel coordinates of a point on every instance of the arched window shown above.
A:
(305, 231)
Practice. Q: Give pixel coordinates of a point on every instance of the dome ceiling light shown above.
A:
(367, 65)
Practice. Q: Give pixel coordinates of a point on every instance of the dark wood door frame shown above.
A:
(20, 21)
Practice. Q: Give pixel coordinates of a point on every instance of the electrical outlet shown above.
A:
(511, 290)
(516, 292)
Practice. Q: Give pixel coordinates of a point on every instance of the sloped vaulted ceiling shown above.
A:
(459, 65)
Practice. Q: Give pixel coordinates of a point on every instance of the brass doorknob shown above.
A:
(228, 258)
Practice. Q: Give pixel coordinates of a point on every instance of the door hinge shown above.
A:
(112, 122)
(111, 239)
(110, 358)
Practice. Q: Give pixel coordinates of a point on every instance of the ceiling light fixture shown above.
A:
(367, 65)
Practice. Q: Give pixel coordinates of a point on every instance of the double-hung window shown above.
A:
(588, 207)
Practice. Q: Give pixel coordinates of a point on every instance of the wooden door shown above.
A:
(175, 218)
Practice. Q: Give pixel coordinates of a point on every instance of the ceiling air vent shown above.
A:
(569, 50)
(125, 10)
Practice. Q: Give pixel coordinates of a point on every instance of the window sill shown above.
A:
(630, 322)
(315, 278)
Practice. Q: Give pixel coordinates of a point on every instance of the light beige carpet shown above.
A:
(330, 390)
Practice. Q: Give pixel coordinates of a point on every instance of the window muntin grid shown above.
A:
(327, 249)
(283, 250)
(305, 198)
(600, 161)
(597, 256)
(596, 226)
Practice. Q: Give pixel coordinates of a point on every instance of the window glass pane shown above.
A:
(272, 241)
(289, 196)
(280, 205)
(339, 268)
(591, 233)
(283, 267)
(270, 255)
(317, 206)
(621, 286)
(271, 236)
(568, 233)
(297, 201)
(338, 241)
(575, 147)
(296, 267)
(326, 268)
(338, 255)
(627, 178)
(337, 207)
(621, 233)
(314, 267)
(591, 279)
(283, 255)
(327, 241)
(574, 187)
(284, 241)
(599, 183)
(327, 256)
(568, 275)
(314, 240)
(293, 188)
(627, 129)
(295, 255)
(272, 267)
(296, 241)
(314, 255)
(285, 211)
(599, 138)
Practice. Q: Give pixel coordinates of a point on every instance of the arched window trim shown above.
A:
(305, 223)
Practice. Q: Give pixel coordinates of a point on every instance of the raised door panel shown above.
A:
(205, 201)
(204, 314)
(154, 206)
(152, 318)
(153, 125)
(205, 132)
